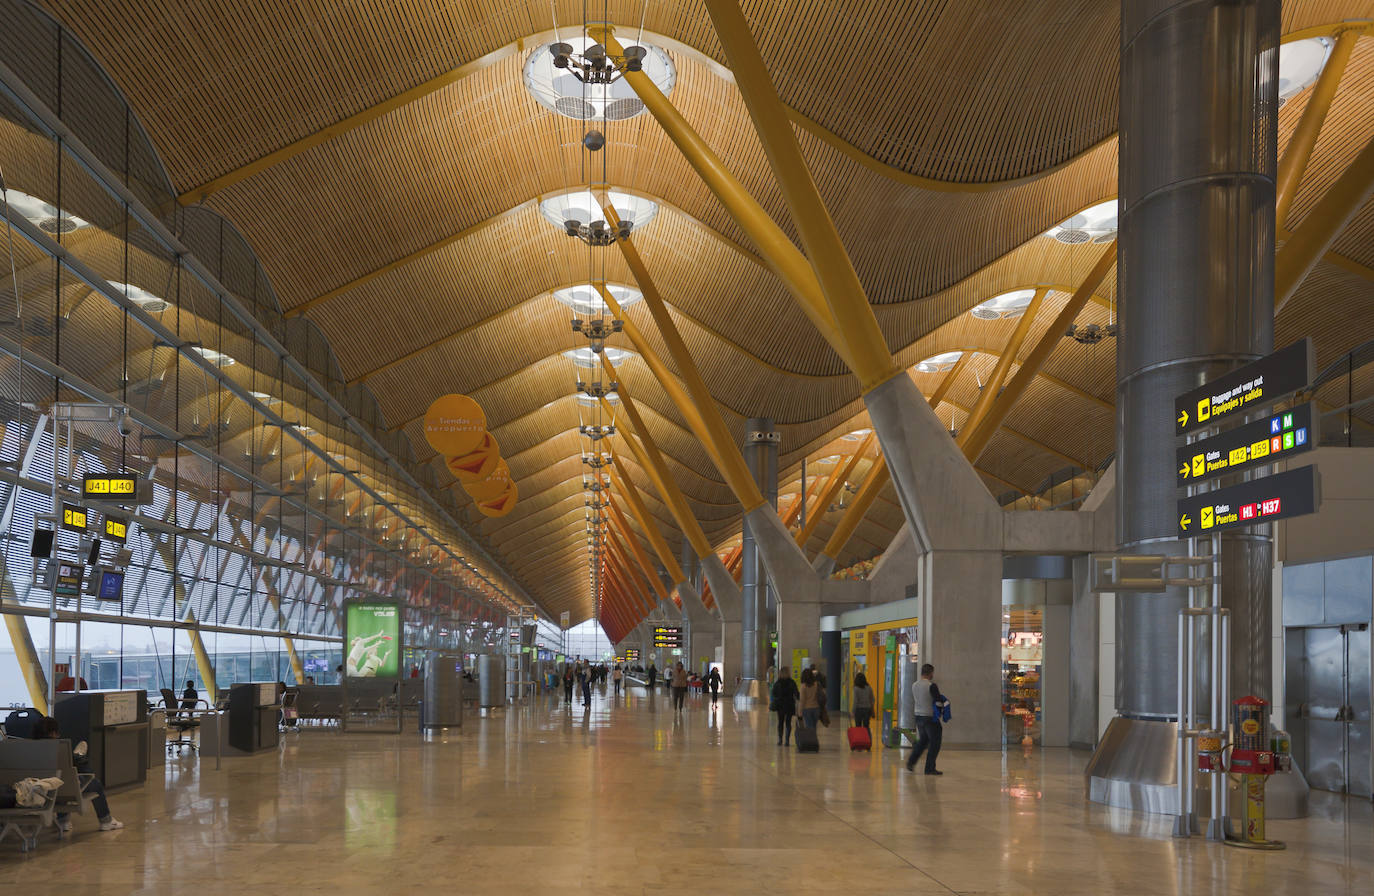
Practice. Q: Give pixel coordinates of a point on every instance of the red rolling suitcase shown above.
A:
(860, 739)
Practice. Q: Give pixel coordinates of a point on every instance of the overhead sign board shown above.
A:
(116, 528)
(1246, 389)
(106, 487)
(73, 517)
(667, 636)
(1265, 500)
(69, 576)
(1276, 437)
(632, 654)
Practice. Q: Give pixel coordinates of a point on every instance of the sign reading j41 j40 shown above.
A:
(1264, 441)
(1247, 388)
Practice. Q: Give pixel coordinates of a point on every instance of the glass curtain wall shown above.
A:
(141, 338)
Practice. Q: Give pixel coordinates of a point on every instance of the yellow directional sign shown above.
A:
(1185, 522)
(1253, 444)
(1207, 517)
(1182, 418)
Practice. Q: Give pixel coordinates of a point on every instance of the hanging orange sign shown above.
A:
(493, 486)
(501, 505)
(477, 464)
(455, 425)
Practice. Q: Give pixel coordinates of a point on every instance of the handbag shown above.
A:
(824, 716)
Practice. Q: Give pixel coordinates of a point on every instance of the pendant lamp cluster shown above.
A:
(582, 83)
(456, 427)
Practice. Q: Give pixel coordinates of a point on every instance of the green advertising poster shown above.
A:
(373, 634)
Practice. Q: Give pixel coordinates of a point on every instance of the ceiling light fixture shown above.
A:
(580, 213)
(577, 78)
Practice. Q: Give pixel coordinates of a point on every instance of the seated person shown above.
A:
(189, 696)
(47, 727)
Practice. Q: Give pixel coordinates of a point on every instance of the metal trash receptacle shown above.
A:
(443, 694)
(491, 681)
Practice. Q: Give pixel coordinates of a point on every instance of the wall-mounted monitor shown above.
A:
(41, 546)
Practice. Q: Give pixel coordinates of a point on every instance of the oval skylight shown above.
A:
(1007, 305)
(585, 300)
(585, 358)
(937, 363)
(584, 208)
(590, 400)
(47, 217)
(559, 90)
(1096, 224)
(142, 298)
(856, 435)
(1300, 62)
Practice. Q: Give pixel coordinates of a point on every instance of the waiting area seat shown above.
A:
(181, 724)
(50, 758)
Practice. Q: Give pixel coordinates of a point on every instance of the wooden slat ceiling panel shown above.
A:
(249, 78)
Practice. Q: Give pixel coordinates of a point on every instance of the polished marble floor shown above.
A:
(628, 797)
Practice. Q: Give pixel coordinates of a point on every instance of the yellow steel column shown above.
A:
(646, 451)
(838, 476)
(844, 294)
(697, 406)
(1306, 245)
(993, 386)
(622, 528)
(868, 492)
(1304, 137)
(626, 487)
(978, 441)
(30, 664)
(778, 252)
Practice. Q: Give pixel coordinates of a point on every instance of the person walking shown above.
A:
(713, 681)
(584, 676)
(679, 686)
(928, 703)
(652, 675)
(862, 704)
(810, 700)
(616, 676)
(568, 678)
(782, 699)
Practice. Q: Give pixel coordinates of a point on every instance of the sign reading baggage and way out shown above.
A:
(1277, 437)
(1264, 500)
(1256, 385)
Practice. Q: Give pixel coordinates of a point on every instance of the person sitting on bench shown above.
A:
(47, 727)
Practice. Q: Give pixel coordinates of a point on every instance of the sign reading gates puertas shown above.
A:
(454, 425)
(372, 639)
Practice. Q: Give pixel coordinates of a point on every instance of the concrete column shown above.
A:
(960, 634)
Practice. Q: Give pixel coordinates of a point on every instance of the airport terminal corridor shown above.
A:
(628, 797)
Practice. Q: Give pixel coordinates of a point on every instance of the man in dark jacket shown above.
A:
(783, 701)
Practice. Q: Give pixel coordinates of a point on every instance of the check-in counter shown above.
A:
(114, 724)
(253, 711)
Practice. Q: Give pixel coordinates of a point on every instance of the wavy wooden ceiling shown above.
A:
(1011, 103)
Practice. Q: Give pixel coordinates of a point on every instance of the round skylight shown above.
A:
(48, 218)
(142, 298)
(937, 363)
(585, 300)
(1096, 224)
(584, 208)
(1300, 62)
(1007, 305)
(559, 90)
(585, 358)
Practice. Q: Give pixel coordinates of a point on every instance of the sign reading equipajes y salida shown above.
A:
(1249, 388)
